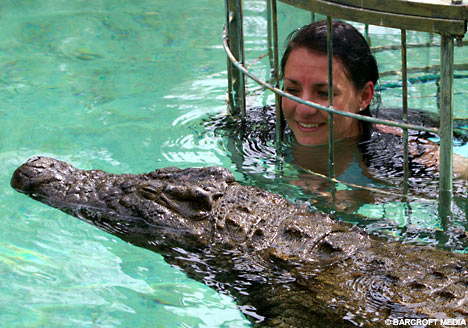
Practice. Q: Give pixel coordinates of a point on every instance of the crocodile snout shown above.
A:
(28, 175)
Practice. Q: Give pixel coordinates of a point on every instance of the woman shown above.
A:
(304, 69)
(364, 152)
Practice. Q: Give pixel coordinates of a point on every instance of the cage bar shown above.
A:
(331, 141)
(446, 125)
(236, 80)
(404, 77)
(276, 75)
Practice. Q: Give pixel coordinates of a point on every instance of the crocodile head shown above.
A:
(174, 202)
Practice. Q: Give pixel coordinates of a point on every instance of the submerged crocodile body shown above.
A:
(285, 266)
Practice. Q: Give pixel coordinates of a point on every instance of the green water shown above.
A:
(121, 86)
(111, 85)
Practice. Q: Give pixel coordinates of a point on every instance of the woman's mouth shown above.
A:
(309, 127)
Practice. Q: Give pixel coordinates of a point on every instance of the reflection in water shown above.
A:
(369, 190)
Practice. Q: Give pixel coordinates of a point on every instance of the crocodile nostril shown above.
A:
(34, 159)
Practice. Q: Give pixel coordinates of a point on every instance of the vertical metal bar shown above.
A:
(230, 67)
(279, 113)
(240, 33)
(230, 94)
(234, 29)
(404, 70)
(446, 125)
(331, 152)
(312, 17)
(366, 34)
(275, 42)
(430, 39)
(270, 39)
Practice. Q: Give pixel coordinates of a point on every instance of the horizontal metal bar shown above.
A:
(429, 9)
(424, 69)
(410, 45)
(385, 17)
(332, 110)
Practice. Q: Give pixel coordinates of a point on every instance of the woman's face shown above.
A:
(306, 77)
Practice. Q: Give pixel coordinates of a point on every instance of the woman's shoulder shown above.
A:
(418, 117)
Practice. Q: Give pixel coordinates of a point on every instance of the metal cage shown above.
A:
(448, 18)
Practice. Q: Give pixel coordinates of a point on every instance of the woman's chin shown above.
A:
(311, 136)
(310, 141)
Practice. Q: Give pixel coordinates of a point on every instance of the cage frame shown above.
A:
(448, 18)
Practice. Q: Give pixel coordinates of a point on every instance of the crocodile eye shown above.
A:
(197, 197)
(149, 192)
(203, 199)
(191, 202)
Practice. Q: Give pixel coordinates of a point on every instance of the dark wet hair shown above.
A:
(349, 46)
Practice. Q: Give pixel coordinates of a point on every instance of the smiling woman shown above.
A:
(305, 77)
(304, 68)
(305, 73)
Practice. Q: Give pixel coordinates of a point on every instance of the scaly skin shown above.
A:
(285, 266)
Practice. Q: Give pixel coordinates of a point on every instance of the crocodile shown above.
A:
(285, 265)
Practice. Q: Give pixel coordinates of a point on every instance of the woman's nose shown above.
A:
(305, 109)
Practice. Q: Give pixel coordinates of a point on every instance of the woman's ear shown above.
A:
(366, 94)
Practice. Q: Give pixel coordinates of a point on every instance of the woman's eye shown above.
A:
(323, 94)
(292, 91)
